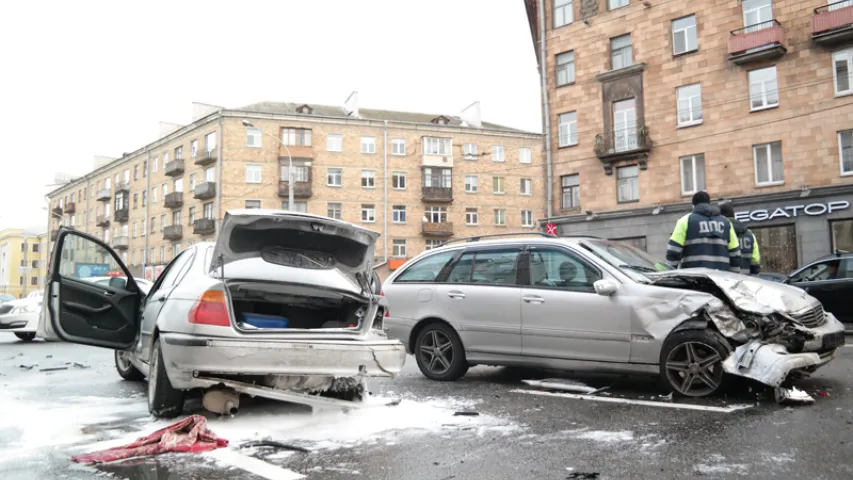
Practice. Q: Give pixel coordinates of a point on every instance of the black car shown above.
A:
(830, 280)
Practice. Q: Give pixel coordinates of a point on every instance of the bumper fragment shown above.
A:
(770, 364)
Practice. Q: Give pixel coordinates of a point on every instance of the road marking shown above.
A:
(253, 465)
(647, 403)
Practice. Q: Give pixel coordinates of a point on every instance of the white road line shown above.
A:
(647, 403)
(253, 465)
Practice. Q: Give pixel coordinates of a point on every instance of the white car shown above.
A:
(21, 317)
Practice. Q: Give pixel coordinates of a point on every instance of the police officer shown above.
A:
(704, 238)
(750, 258)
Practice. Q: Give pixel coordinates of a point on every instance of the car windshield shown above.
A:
(631, 260)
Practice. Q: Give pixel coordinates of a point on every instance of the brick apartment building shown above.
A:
(649, 101)
(417, 179)
(22, 260)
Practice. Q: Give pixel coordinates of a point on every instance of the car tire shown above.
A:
(440, 354)
(163, 400)
(698, 354)
(125, 369)
(26, 336)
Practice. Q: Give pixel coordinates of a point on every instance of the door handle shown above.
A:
(161, 299)
(455, 294)
(533, 299)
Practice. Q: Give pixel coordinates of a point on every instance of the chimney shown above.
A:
(351, 104)
(471, 115)
(201, 110)
(167, 127)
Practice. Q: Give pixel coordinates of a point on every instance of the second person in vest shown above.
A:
(750, 258)
(704, 238)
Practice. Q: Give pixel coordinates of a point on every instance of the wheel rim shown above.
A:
(694, 369)
(436, 352)
(123, 360)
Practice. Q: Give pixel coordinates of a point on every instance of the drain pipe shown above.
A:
(385, 187)
(546, 113)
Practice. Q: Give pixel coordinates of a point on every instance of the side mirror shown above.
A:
(605, 287)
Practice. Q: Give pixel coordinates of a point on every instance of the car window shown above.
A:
(560, 269)
(83, 259)
(173, 270)
(426, 269)
(495, 267)
(828, 270)
(461, 271)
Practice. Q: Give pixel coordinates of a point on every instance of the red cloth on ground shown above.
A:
(189, 435)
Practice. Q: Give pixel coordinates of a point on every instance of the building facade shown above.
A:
(22, 261)
(417, 179)
(650, 101)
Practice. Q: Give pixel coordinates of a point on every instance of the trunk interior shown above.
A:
(259, 307)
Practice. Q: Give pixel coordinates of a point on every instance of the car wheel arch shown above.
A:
(423, 323)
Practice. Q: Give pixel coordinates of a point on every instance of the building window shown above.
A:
(469, 151)
(296, 136)
(684, 36)
(300, 173)
(614, 4)
(433, 243)
(210, 174)
(35, 248)
(144, 197)
(253, 137)
(437, 146)
(845, 151)
(436, 214)
(368, 179)
(498, 186)
(566, 68)
(778, 247)
(335, 177)
(210, 142)
(207, 210)
(563, 13)
(526, 186)
(398, 213)
(368, 213)
(525, 155)
(757, 14)
(154, 194)
(34, 281)
(624, 125)
(134, 229)
(335, 142)
(176, 217)
(768, 164)
(620, 52)
(571, 193)
(500, 216)
(497, 153)
(143, 256)
(472, 216)
(191, 216)
(628, 184)
(253, 204)
(368, 144)
(299, 207)
(471, 183)
(689, 100)
(153, 224)
(443, 179)
(763, 89)
(135, 200)
(193, 150)
(163, 254)
(398, 146)
(253, 174)
(143, 229)
(842, 235)
(135, 173)
(398, 180)
(192, 182)
(334, 210)
(843, 71)
(179, 153)
(568, 129)
(527, 218)
(692, 174)
(163, 220)
(399, 250)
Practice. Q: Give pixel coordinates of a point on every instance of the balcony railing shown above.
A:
(438, 229)
(204, 226)
(104, 195)
(757, 42)
(205, 157)
(300, 189)
(437, 194)
(174, 200)
(623, 144)
(173, 232)
(121, 242)
(121, 215)
(70, 208)
(122, 187)
(833, 23)
(175, 167)
(204, 191)
(102, 221)
(57, 211)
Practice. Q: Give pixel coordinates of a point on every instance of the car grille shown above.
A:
(811, 318)
(4, 309)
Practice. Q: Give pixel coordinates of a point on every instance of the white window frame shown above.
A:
(194, 148)
(368, 213)
(398, 214)
(572, 190)
(563, 13)
(210, 174)
(761, 12)
(337, 207)
(614, 4)
(565, 64)
(398, 180)
(769, 149)
(636, 178)
(690, 100)
(527, 222)
(207, 210)
(368, 145)
(439, 146)
(764, 92)
(338, 174)
(368, 179)
(290, 136)
(335, 142)
(525, 155)
(398, 249)
(210, 142)
(472, 186)
(436, 214)
(500, 216)
(472, 216)
(398, 147)
(694, 160)
(845, 55)
(254, 137)
(841, 152)
(687, 38)
(253, 173)
(259, 203)
(525, 186)
(620, 50)
(469, 151)
(568, 129)
(499, 181)
(498, 153)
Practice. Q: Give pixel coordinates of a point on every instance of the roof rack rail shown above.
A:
(494, 235)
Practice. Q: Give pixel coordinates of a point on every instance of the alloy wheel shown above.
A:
(436, 352)
(694, 369)
(123, 359)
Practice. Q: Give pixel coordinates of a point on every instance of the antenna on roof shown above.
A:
(351, 104)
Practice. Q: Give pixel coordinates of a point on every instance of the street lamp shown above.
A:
(249, 124)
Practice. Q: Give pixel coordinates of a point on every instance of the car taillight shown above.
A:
(381, 293)
(210, 309)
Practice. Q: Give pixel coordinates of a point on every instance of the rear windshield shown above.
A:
(298, 248)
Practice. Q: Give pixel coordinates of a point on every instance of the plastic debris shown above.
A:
(583, 475)
(823, 394)
(668, 397)
(466, 414)
(274, 444)
(562, 384)
(792, 395)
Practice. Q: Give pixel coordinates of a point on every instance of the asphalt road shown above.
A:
(58, 400)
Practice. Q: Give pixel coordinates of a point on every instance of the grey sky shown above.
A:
(96, 77)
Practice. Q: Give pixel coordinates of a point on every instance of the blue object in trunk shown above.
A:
(258, 320)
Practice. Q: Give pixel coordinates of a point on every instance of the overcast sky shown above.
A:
(92, 78)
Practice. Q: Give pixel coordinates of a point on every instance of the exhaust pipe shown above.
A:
(223, 402)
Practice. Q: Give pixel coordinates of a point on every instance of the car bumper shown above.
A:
(186, 356)
(20, 322)
(828, 336)
(399, 329)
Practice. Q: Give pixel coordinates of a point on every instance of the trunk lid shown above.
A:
(302, 242)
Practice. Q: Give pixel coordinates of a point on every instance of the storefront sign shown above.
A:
(791, 211)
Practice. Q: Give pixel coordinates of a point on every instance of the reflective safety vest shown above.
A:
(750, 258)
(704, 238)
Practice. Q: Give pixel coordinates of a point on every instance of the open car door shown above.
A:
(85, 312)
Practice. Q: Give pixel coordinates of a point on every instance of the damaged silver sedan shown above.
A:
(583, 303)
(283, 305)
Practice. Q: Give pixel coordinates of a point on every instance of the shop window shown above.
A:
(778, 247)
(842, 235)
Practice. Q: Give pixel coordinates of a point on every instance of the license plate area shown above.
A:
(833, 340)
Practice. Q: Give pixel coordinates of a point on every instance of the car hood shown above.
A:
(306, 243)
(23, 301)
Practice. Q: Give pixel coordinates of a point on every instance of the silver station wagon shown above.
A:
(584, 303)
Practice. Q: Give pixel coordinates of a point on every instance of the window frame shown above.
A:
(848, 53)
(770, 182)
(398, 214)
(470, 151)
(474, 212)
(528, 155)
(764, 94)
(475, 184)
(398, 248)
(498, 181)
(841, 152)
(336, 137)
(567, 67)
(338, 175)
(692, 122)
(254, 133)
(629, 47)
(368, 179)
(339, 207)
(570, 136)
(367, 208)
(502, 212)
(695, 28)
(571, 188)
(567, 6)
(475, 252)
(530, 214)
(693, 158)
(521, 187)
(252, 168)
(435, 145)
(396, 183)
(396, 142)
(539, 248)
(618, 182)
(610, 6)
(370, 143)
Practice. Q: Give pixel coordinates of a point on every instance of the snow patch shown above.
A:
(605, 436)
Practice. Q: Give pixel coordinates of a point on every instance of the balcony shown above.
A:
(833, 23)
(70, 208)
(300, 190)
(121, 242)
(173, 232)
(174, 168)
(437, 229)
(204, 191)
(623, 144)
(102, 221)
(757, 43)
(104, 195)
(206, 158)
(121, 215)
(122, 187)
(57, 211)
(204, 226)
(174, 200)
(437, 194)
